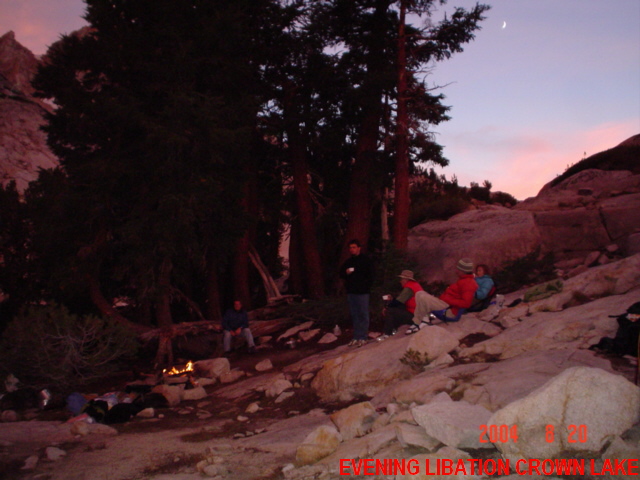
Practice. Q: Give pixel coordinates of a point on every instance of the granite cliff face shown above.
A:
(587, 219)
(23, 147)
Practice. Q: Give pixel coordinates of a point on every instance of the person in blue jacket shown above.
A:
(235, 321)
(484, 281)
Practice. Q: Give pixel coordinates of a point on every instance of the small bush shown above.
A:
(531, 269)
(49, 346)
(415, 360)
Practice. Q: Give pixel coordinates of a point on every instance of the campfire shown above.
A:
(178, 372)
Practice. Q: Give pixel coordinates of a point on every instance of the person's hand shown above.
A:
(238, 330)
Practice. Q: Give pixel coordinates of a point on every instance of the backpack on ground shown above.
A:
(626, 340)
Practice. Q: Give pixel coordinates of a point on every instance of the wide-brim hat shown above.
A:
(465, 265)
(407, 274)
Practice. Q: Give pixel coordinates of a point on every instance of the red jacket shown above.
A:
(410, 304)
(460, 294)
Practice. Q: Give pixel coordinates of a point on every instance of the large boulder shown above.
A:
(580, 410)
(488, 235)
(364, 371)
(593, 212)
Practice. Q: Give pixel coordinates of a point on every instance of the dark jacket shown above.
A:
(233, 319)
(359, 281)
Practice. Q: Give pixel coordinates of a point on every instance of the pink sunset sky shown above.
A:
(544, 83)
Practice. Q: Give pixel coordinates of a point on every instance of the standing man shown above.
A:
(357, 274)
(236, 322)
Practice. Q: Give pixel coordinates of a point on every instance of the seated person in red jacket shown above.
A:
(456, 296)
(235, 321)
(399, 311)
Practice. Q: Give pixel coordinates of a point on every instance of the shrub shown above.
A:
(531, 269)
(49, 346)
(415, 360)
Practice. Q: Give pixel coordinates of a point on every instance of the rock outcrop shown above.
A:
(23, 145)
(588, 219)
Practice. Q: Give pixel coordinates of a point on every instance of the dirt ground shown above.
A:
(177, 438)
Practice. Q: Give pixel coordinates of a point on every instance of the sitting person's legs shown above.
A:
(425, 304)
(226, 341)
(248, 336)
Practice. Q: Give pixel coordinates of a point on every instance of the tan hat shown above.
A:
(408, 274)
(465, 265)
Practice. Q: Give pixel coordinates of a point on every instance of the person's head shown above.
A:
(405, 276)
(464, 266)
(237, 305)
(354, 247)
(482, 270)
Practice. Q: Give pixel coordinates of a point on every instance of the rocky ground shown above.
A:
(318, 403)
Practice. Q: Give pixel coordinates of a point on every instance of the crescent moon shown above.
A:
(504, 24)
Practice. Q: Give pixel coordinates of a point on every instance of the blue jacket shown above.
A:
(485, 284)
(234, 319)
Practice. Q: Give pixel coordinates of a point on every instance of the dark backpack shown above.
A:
(626, 340)
(479, 305)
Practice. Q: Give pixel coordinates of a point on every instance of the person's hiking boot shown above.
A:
(353, 343)
(361, 343)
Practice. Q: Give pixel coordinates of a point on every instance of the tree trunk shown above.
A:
(163, 299)
(401, 204)
(361, 191)
(296, 282)
(213, 291)
(241, 271)
(105, 307)
(306, 215)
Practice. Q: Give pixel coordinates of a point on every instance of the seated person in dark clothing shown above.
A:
(236, 322)
(400, 310)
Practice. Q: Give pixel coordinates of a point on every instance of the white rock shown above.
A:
(433, 341)
(355, 420)
(212, 368)
(318, 444)
(284, 396)
(294, 330)
(579, 396)
(455, 424)
(277, 387)
(172, 393)
(196, 393)
(264, 365)
(327, 338)
(54, 453)
(308, 334)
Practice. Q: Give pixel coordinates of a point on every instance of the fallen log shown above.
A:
(166, 335)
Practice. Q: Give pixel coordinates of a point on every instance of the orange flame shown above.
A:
(177, 371)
